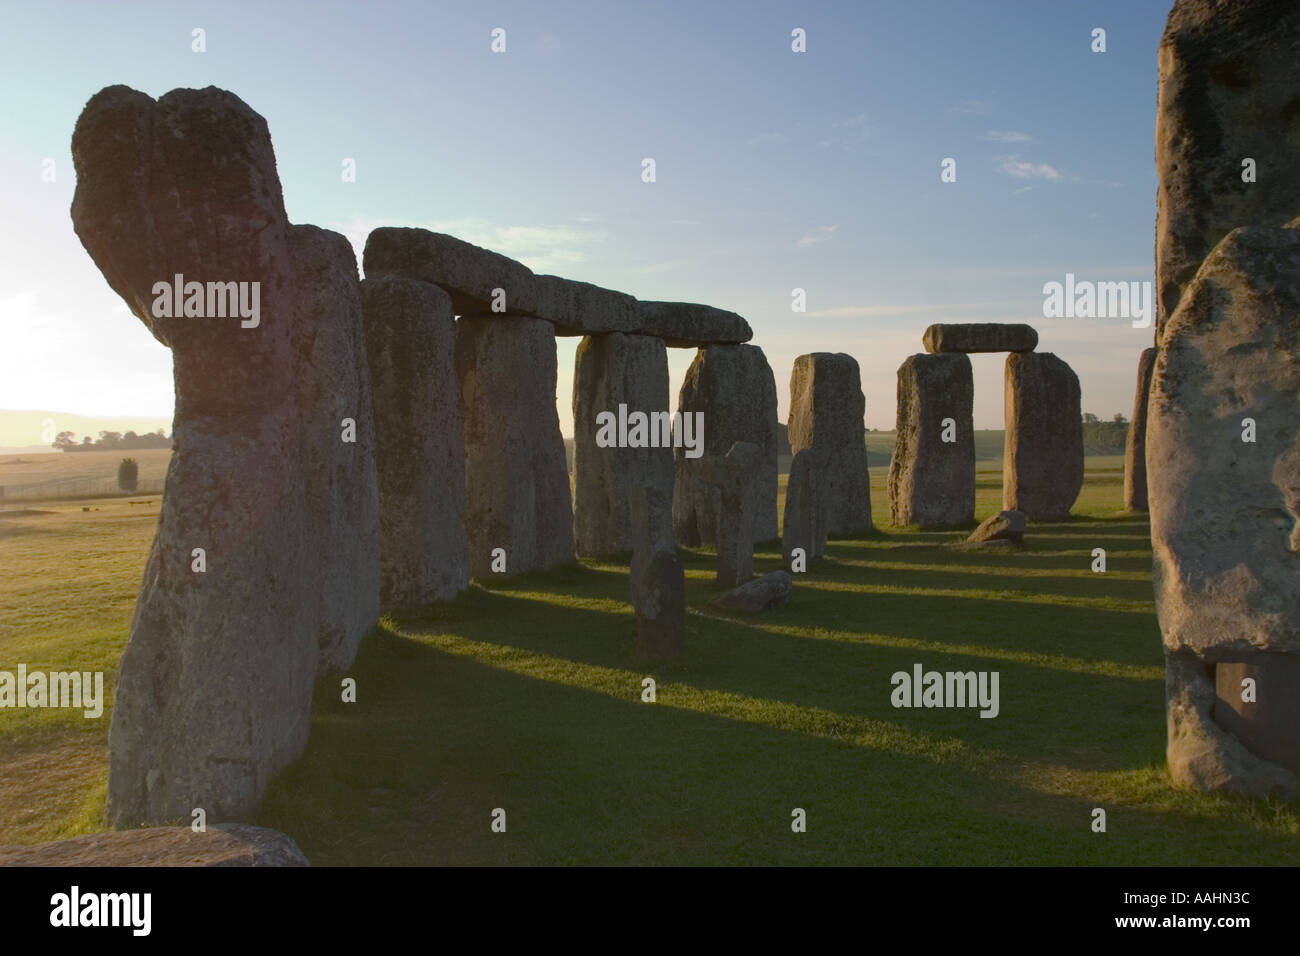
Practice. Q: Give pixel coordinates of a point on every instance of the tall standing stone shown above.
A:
(214, 688)
(734, 389)
(1135, 447)
(516, 475)
(932, 471)
(342, 482)
(1042, 466)
(826, 413)
(620, 382)
(1229, 91)
(804, 523)
(1223, 466)
(411, 345)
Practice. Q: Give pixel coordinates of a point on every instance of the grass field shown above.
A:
(525, 695)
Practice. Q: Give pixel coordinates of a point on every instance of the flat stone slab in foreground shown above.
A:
(771, 590)
(230, 844)
(980, 337)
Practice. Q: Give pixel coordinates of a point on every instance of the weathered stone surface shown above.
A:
(341, 481)
(980, 337)
(214, 689)
(471, 275)
(420, 441)
(1135, 447)
(1228, 90)
(1003, 526)
(737, 478)
(660, 607)
(804, 523)
(230, 844)
(826, 413)
(769, 591)
(688, 325)
(613, 370)
(932, 482)
(516, 476)
(1224, 511)
(733, 387)
(466, 272)
(1042, 466)
(580, 308)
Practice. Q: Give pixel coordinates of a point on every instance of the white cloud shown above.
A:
(820, 234)
(1014, 166)
(1008, 136)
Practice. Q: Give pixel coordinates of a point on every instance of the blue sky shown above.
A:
(775, 169)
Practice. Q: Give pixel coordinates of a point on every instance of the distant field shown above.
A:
(70, 472)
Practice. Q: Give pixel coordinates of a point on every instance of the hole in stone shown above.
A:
(1265, 725)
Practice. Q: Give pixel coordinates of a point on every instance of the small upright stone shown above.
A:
(661, 607)
(1135, 447)
(804, 526)
(932, 471)
(732, 389)
(1042, 466)
(411, 345)
(826, 412)
(737, 480)
(516, 474)
(980, 337)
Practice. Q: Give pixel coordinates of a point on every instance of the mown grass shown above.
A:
(525, 694)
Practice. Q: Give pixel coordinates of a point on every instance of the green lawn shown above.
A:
(525, 695)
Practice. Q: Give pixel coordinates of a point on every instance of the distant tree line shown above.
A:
(1105, 435)
(112, 441)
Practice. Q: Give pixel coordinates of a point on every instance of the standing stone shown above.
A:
(737, 477)
(342, 482)
(1225, 513)
(214, 689)
(661, 607)
(804, 524)
(1042, 467)
(411, 344)
(625, 376)
(826, 412)
(1135, 448)
(516, 475)
(733, 387)
(932, 481)
(1229, 90)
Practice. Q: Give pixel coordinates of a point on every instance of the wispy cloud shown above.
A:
(763, 139)
(970, 108)
(864, 311)
(1008, 136)
(1020, 169)
(543, 248)
(820, 234)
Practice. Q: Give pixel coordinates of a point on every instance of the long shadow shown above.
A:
(412, 772)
